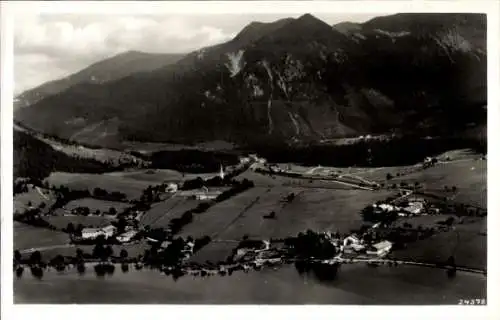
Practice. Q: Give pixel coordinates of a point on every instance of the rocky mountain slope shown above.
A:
(291, 80)
(110, 69)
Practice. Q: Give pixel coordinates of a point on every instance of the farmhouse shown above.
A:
(127, 236)
(380, 249)
(414, 207)
(352, 243)
(244, 160)
(201, 194)
(92, 233)
(172, 187)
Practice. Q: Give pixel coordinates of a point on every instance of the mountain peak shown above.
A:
(311, 22)
(307, 16)
(256, 30)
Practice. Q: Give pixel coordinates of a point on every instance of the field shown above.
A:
(214, 252)
(316, 209)
(161, 213)
(35, 196)
(319, 210)
(424, 221)
(70, 251)
(217, 217)
(467, 243)
(93, 205)
(469, 176)
(26, 237)
(79, 181)
(263, 180)
(157, 176)
(87, 221)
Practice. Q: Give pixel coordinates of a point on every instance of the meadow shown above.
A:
(157, 176)
(82, 181)
(318, 210)
(161, 213)
(94, 205)
(26, 237)
(33, 196)
(214, 252)
(468, 175)
(61, 222)
(467, 243)
(222, 214)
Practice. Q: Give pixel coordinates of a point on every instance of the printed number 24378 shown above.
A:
(472, 302)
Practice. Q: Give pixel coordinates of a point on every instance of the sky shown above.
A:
(51, 46)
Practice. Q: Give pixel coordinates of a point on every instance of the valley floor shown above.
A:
(324, 199)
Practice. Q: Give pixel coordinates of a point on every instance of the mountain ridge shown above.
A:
(295, 80)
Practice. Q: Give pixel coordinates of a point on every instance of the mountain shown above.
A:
(110, 69)
(294, 80)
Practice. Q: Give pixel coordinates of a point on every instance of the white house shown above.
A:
(109, 231)
(415, 207)
(92, 233)
(127, 236)
(352, 243)
(380, 249)
(172, 187)
(244, 160)
(386, 207)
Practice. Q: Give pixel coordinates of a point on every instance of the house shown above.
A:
(92, 233)
(352, 239)
(127, 236)
(201, 194)
(380, 249)
(244, 160)
(352, 243)
(387, 207)
(172, 187)
(206, 196)
(109, 231)
(415, 207)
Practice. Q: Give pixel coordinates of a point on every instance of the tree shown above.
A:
(121, 225)
(388, 176)
(79, 254)
(123, 254)
(112, 211)
(98, 251)
(36, 257)
(454, 189)
(108, 252)
(70, 228)
(17, 256)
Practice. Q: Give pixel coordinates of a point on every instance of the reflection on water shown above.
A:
(298, 284)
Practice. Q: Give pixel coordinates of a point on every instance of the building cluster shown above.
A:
(411, 207)
(352, 244)
(201, 194)
(93, 233)
(257, 252)
(108, 232)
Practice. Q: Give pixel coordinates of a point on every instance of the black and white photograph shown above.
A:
(267, 158)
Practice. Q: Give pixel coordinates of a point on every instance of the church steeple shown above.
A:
(221, 173)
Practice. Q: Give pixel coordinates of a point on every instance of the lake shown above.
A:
(354, 284)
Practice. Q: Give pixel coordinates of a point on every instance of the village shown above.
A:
(172, 254)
